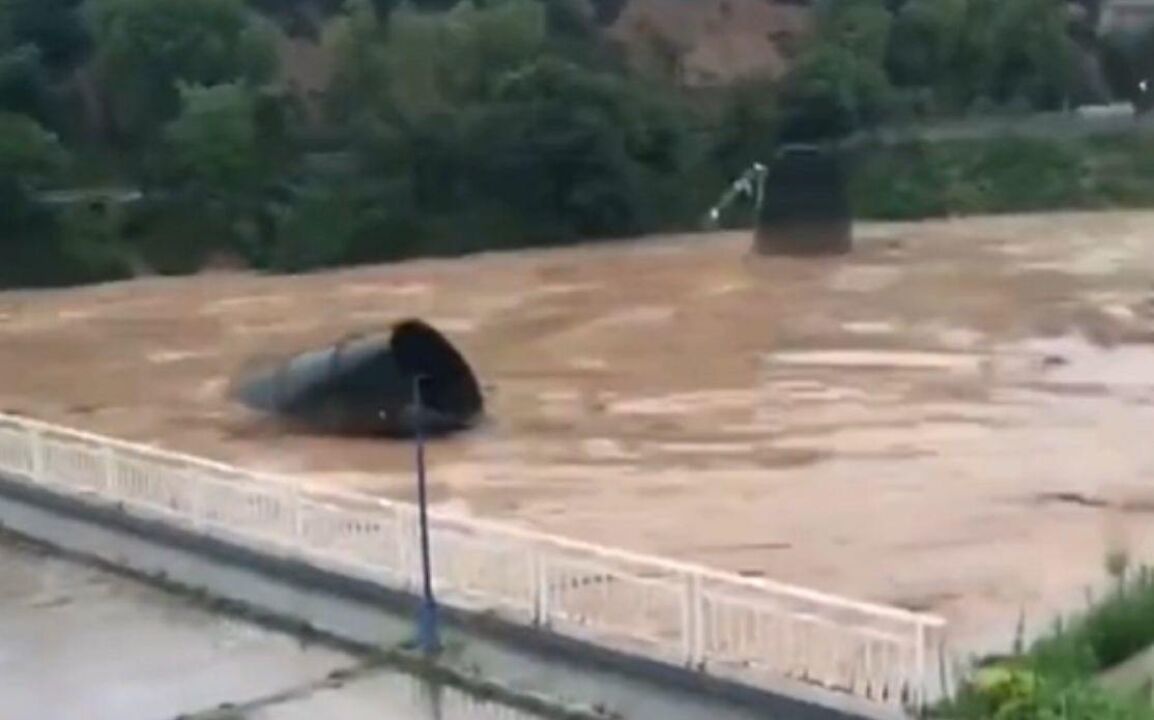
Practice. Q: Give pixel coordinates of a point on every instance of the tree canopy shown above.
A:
(145, 49)
(447, 126)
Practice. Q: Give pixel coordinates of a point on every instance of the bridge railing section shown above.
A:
(753, 630)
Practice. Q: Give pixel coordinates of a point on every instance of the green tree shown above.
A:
(220, 157)
(860, 26)
(53, 27)
(830, 92)
(22, 85)
(470, 126)
(212, 145)
(146, 48)
(359, 87)
(746, 129)
(1000, 51)
(29, 155)
(575, 153)
(36, 247)
(839, 82)
(453, 121)
(931, 48)
(1034, 55)
(421, 64)
(1129, 59)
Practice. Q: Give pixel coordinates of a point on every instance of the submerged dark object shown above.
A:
(806, 208)
(364, 386)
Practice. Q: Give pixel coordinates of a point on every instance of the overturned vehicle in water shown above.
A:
(369, 386)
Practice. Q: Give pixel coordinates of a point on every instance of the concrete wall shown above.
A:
(525, 660)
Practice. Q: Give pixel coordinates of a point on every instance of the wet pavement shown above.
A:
(78, 643)
(953, 418)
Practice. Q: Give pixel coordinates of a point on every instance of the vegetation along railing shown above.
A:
(751, 630)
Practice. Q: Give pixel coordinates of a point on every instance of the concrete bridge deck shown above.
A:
(314, 566)
(80, 642)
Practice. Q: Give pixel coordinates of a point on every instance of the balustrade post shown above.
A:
(196, 499)
(108, 467)
(919, 683)
(405, 538)
(36, 441)
(693, 621)
(539, 579)
(298, 518)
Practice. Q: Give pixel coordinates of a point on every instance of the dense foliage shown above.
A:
(1059, 675)
(1006, 174)
(450, 126)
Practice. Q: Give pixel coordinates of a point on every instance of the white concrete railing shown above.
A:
(751, 630)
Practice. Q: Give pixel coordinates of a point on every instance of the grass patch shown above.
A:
(1003, 175)
(1056, 677)
(1017, 693)
(1112, 630)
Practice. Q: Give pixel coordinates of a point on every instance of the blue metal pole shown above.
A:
(428, 636)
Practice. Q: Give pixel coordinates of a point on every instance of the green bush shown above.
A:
(1020, 174)
(45, 247)
(1055, 678)
(1020, 693)
(494, 125)
(901, 183)
(92, 243)
(178, 238)
(1002, 175)
(316, 232)
(1028, 688)
(1113, 629)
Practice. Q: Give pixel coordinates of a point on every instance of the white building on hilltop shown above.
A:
(1127, 15)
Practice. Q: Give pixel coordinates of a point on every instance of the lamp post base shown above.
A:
(428, 635)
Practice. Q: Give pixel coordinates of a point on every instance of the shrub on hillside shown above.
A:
(1008, 174)
(1112, 630)
(1056, 677)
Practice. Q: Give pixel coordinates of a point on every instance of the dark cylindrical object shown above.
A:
(806, 208)
(365, 386)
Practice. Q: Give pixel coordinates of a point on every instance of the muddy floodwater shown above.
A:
(956, 418)
(77, 643)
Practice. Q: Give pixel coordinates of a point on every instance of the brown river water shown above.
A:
(954, 418)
